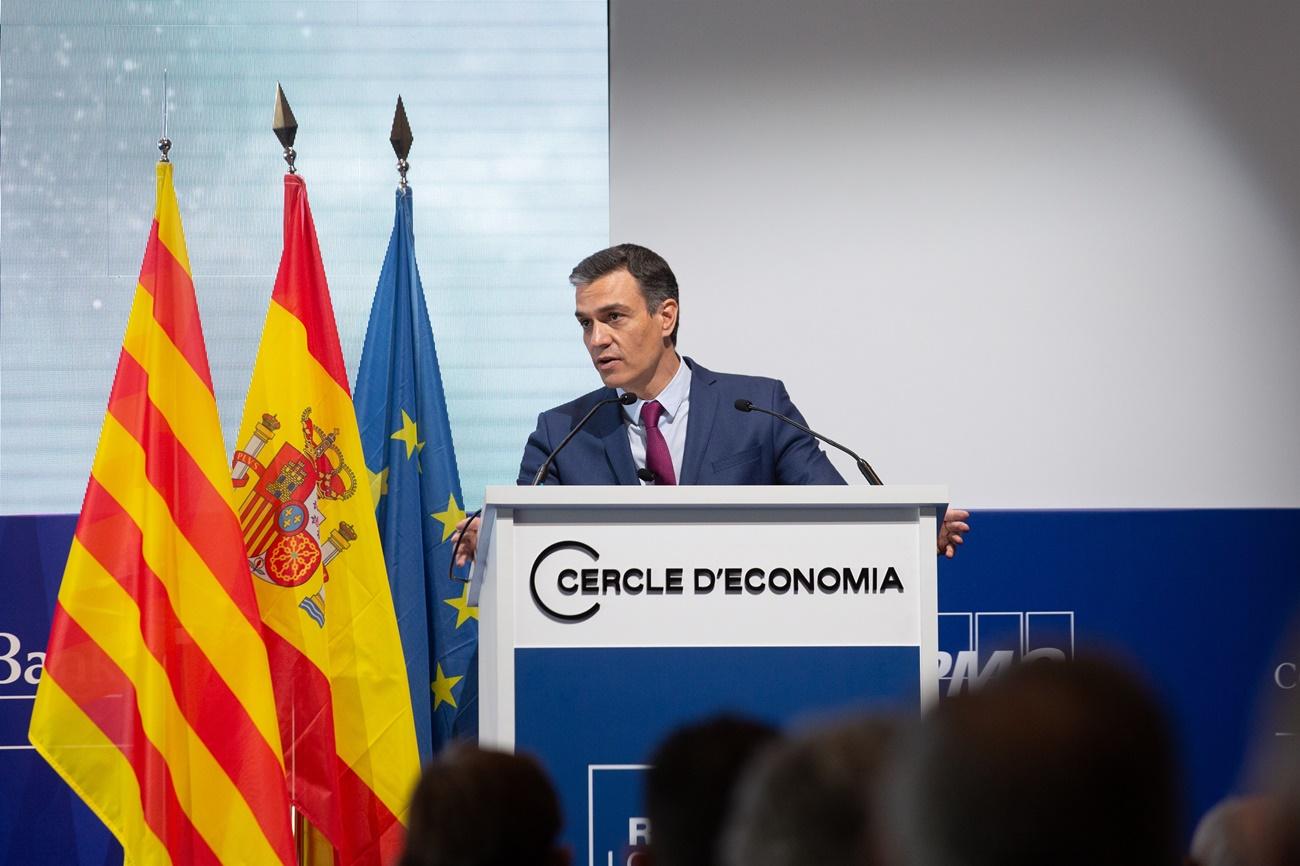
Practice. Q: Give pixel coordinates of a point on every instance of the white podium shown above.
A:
(609, 615)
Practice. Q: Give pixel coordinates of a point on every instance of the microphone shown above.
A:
(864, 467)
(645, 474)
(626, 399)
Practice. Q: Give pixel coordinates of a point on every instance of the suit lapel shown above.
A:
(609, 427)
(699, 423)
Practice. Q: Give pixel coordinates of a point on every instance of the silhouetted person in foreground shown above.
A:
(690, 785)
(475, 807)
(1060, 763)
(808, 800)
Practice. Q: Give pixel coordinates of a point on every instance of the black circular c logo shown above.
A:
(532, 582)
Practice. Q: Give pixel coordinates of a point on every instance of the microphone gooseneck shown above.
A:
(625, 399)
(743, 405)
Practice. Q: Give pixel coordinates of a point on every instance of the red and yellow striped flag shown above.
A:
(308, 521)
(156, 703)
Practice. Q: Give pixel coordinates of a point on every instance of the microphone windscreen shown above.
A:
(744, 405)
(627, 398)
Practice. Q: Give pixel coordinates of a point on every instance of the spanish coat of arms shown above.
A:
(281, 518)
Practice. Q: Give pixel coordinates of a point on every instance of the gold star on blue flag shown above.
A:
(464, 610)
(442, 686)
(406, 436)
(449, 517)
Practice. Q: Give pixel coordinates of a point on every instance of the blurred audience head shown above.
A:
(1236, 832)
(690, 785)
(808, 800)
(1056, 762)
(475, 807)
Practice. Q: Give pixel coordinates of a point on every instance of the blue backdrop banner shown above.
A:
(1197, 600)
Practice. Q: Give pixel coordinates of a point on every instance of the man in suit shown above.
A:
(683, 427)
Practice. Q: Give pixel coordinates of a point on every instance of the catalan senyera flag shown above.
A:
(155, 703)
(308, 521)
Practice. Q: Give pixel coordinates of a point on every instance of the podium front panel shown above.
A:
(608, 624)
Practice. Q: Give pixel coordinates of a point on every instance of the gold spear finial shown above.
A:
(401, 139)
(285, 127)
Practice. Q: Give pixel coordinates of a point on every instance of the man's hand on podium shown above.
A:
(469, 541)
(950, 532)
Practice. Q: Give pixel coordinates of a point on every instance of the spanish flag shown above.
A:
(308, 522)
(156, 702)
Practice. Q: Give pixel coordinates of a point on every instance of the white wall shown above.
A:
(1046, 253)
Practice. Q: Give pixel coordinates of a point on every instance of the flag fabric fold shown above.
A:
(156, 702)
(307, 518)
(411, 464)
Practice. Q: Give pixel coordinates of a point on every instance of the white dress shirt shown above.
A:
(676, 400)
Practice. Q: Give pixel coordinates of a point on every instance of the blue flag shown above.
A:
(406, 435)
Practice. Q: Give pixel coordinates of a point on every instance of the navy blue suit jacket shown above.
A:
(723, 445)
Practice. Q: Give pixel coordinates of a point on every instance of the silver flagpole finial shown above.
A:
(164, 143)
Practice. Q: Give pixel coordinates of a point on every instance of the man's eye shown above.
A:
(584, 323)
(614, 317)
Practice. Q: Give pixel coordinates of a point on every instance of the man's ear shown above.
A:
(668, 312)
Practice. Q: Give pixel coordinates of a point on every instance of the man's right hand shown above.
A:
(468, 542)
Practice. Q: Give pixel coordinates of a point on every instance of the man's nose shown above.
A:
(599, 336)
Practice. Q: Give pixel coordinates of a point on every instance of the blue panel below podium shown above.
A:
(594, 715)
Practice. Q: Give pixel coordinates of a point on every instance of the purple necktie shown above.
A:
(657, 458)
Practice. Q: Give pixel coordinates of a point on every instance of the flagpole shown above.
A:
(285, 127)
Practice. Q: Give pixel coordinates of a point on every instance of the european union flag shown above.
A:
(412, 469)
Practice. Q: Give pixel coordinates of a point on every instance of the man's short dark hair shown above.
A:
(689, 787)
(651, 271)
(1069, 763)
(475, 807)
